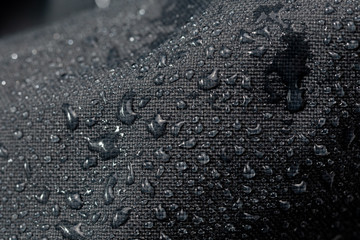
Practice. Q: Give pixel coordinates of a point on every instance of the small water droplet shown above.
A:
(89, 162)
(43, 197)
(299, 187)
(72, 120)
(3, 151)
(125, 111)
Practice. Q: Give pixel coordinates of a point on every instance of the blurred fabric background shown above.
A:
(23, 15)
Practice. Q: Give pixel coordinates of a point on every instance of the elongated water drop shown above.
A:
(72, 120)
(125, 111)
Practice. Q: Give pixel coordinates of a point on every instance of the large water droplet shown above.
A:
(147, 188)
(156, 126)
(70, 230)
(162, 156)
(191, 143)
(320, 150)
(248, 172)
(109, 189)
(121, 216)
(203, 158)
(105, 145)
(74, 200)
(160, 213)
(210, 82)
(130, 178)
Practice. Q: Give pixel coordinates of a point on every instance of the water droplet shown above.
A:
(246, 82)
(156, 126)
(163, 236)
(258, 52)
(328, 177)
(89, 162)
(352, 45)
(54, 138)
(175, 129)
(181, 215)
(146, 187)
(188, 144)
(162, 156)
(237, 205)
(130, 178)
(210, 82)
(3, 151)
(55, 210)
(90, 122)
(245, 37)
(27, 170)
(160, 213)
(231, 80)
(105, 145)
(19, 187)
(248, 172)
(334, 55)
(329, 10)
(293, 170)
(254, 131)
(181, 104)
(225, 52)
(72, 120)
(18, 134)
(70, 230)
(125, 111)
(162, 61)
(95, 217)
(299, 187)
(159, 79)
(294, 70)
(320, 150)
(43, 197)
(144, 101)
(109, 189)
(181, 166)
(121, 216)
(74, 200)
(189, 74)
(203, 158)
(284, 205)
(249, 217)
(239, 150)
(210, 52)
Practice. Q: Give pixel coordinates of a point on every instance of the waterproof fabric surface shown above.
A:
(184, 120)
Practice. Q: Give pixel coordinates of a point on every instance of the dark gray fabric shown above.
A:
(184, 120)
